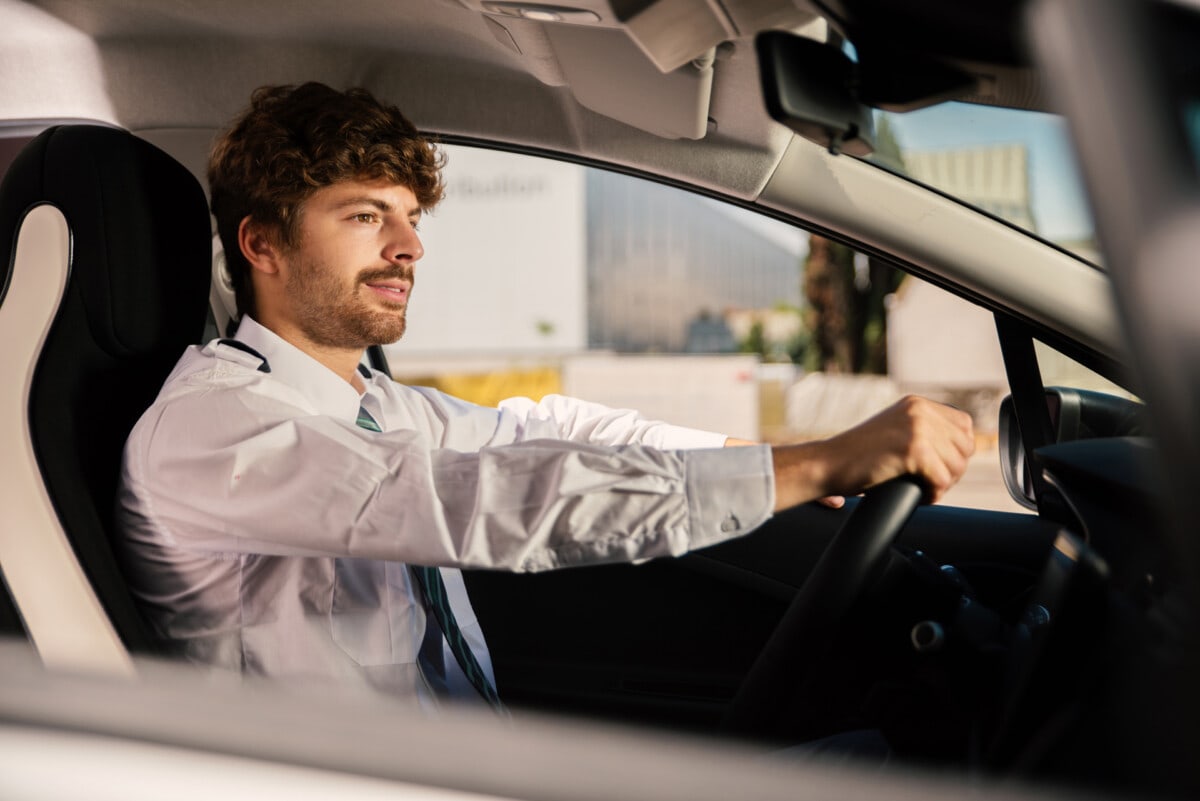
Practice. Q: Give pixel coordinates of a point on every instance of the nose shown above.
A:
(404, 246)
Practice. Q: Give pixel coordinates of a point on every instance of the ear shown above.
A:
(258, 246)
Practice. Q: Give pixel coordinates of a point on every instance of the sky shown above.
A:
(1059, 206)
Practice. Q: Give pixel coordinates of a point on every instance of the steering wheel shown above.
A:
(808, 626)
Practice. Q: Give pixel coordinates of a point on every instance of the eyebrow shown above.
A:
(364, 200)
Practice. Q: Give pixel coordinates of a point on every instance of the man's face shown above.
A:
(350, 274)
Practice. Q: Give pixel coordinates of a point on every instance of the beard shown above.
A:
(333, 315)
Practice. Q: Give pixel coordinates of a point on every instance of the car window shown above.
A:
(1014, 164)
(547, 277)
(1060, 370)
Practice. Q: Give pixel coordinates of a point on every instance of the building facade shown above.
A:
(658, 260)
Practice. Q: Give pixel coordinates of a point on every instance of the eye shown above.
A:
(365, 217)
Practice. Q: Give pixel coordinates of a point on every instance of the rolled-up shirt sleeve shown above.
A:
(239, 473)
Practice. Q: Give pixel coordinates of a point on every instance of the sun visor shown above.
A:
(673, 32)
(630, 88)
(646, 63)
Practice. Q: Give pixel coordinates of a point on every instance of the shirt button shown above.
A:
(731, 523)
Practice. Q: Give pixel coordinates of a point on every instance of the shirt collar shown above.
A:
(328, 392)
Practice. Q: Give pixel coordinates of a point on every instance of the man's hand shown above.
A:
(914, 436)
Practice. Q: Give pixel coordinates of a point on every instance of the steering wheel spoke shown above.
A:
(803, 635)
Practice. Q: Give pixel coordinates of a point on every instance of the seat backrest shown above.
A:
(135, 294)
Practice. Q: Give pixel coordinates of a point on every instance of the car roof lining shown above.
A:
(120, 61)
(198, 82)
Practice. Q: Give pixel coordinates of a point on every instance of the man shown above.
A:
(277, 496)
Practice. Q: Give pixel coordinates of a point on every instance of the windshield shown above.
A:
(1013, 164)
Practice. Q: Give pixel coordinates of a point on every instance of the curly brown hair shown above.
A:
(293, 140)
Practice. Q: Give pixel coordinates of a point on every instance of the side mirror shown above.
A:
(1018, 479)
(809, 86)
(1075, 414)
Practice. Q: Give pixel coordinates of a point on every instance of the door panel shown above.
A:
(669, 641)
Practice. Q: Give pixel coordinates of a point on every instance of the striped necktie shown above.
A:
(433, 592)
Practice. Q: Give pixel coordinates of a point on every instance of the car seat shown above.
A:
(106, 246)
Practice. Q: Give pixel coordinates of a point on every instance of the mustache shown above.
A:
(397, 273)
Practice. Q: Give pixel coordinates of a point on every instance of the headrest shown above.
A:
(139, 232)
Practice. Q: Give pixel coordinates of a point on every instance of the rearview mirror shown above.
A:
(809, 86)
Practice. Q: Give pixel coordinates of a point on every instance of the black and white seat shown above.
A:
(106, 245)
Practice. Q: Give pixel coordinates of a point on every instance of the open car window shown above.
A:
(640, 295)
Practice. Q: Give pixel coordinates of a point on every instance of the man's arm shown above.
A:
(915, 436)
(235, 472)
(231, 477)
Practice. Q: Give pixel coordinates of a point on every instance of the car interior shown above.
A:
(1024, 645)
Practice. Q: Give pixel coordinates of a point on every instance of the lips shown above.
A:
(394, 291)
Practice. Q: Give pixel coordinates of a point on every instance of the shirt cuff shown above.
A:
(730, 491)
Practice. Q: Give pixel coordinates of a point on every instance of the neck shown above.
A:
(342, 361)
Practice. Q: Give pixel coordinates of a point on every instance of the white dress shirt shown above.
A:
(265, 532)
